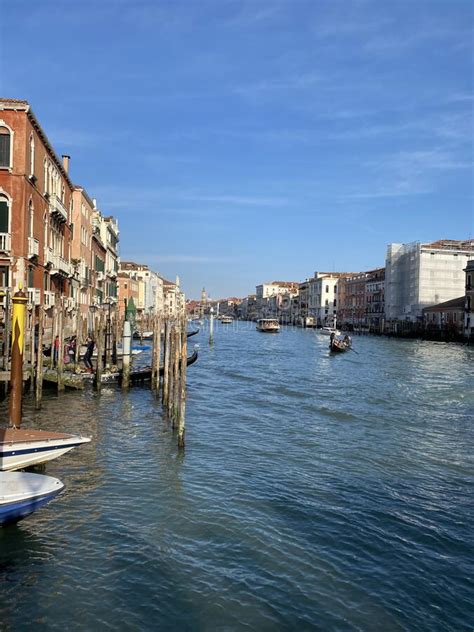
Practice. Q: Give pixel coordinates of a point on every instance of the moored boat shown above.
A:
(20, 448)
(268, 325)
(21, 493)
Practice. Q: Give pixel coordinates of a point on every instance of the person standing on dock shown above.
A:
(88, 354)
(55, 351)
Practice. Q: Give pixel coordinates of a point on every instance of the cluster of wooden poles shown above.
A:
(169, 345)
(172, 385)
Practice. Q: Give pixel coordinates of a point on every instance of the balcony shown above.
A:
(49, 299)
(5, 242)
(33, 247)
(34, 296)
(60, 266)
(57, 208)
(48, 255)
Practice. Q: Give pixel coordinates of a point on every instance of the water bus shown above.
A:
(268, 325)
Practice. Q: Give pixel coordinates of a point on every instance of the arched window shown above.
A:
(32, 155)
(31, 214)
(5, 146)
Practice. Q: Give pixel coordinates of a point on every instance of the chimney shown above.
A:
(66, 160)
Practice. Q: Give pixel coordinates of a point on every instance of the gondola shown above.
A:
(138, 375)
(192, 333)
(144, 374)
(338, 345)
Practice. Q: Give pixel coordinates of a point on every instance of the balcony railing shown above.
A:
(57, 208)
(49, 299)
(60, 265)
(48, 255)
(34, 296)
(5, 242)
(33, 247)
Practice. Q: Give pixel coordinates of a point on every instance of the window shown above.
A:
(327, 288)
(4, 214)
(5, 146)
(32, 155)
(31, 214)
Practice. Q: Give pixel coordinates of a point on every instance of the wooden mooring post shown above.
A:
(39, 360)
(156, 355)
(126, 353)
(100, 353)
(60, 359)
(182, 385)
(166, 364)
(173, 401)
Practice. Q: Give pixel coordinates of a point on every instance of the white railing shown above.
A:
(60, 264)
(57, 207)
(34, 296)
(48, 255)
(5, 242)
(49, 299)
(33, 247)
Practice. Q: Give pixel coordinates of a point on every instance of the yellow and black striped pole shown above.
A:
(19, 301)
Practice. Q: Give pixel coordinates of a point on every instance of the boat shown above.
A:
(226, 320)
(143, 374)
(20, 448)
(144, 335)
(327, 331)
(21, 493)
(268, 325)
(136, 375)
(338, 344)
(190, 334)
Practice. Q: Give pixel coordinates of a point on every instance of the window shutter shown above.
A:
(3, 216)
(4, 147)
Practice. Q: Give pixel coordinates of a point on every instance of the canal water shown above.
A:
(316, 492)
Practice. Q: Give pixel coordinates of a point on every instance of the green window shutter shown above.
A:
(3, 216)
(4, 148)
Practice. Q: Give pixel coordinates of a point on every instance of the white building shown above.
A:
(418, 275)
(266, 291)
(108, 230)
(150, 286)
(322, 297)
(173, 298)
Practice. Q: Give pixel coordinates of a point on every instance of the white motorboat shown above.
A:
(21, 448)
(327, 331)
(21, 493)
(268, 325)
(226, 320)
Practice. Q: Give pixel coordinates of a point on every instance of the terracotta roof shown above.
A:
(452, 304)
(451, 244)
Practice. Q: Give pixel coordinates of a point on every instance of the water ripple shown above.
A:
(316, 492)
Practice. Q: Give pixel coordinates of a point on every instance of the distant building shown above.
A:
(82, 249)
(375, 298)
(445, 317)
(469, 301)
(323, 296)
(418, 275)
(108, 229)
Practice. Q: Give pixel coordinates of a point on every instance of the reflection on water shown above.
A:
(315, 492)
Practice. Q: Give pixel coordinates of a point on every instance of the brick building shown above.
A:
(35, 207)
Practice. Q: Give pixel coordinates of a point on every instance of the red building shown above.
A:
(35, 207)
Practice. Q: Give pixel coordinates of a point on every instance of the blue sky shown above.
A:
(244, 141)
